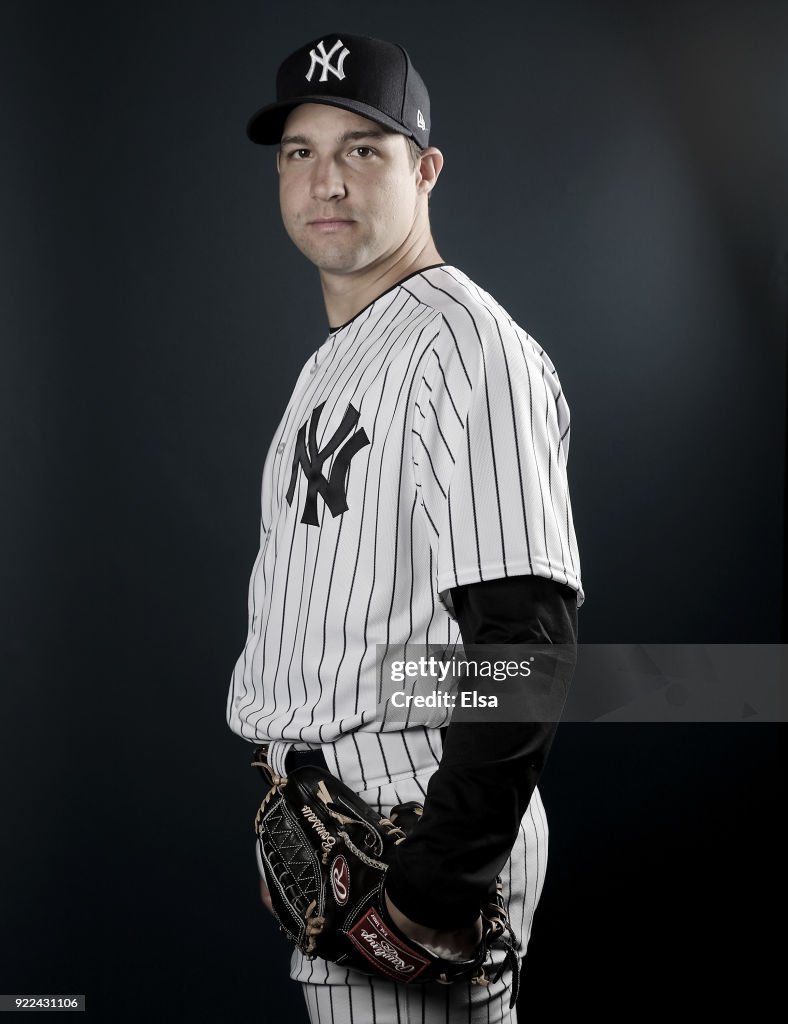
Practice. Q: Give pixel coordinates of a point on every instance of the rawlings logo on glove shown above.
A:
(340, 880)
(387, 953)
(325, 853)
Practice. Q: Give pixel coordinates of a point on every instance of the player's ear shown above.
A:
(278, 158)
(428, 168)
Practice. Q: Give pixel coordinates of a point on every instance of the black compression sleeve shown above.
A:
(488, 772)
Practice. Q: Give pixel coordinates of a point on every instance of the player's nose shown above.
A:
(327, 181)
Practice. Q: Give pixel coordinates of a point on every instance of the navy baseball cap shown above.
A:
(368, 76)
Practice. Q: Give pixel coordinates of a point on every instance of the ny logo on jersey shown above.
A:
(311, 460)
(324, 59)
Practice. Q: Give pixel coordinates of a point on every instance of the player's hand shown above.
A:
(462, 942)
(265, 896)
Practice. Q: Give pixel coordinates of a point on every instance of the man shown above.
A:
(415, 493)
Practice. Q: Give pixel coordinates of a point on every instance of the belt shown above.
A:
(299, 758)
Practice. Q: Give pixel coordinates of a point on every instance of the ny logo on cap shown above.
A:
(324, 59)
(311, 458)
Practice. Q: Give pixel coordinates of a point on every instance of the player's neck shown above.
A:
(345, 295)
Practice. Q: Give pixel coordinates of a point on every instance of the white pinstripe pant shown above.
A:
(382, 1002)
(335, 995)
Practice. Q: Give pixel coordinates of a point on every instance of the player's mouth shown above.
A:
(330, 223)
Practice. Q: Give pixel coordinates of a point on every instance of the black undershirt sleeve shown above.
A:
(479, 794)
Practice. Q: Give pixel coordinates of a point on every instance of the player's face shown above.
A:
(350, 197)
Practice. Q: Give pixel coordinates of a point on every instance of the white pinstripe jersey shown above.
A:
(424, 447)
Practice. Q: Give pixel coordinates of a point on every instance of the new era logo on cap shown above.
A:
(368, 76)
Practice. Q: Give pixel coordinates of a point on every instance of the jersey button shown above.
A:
(312, 368)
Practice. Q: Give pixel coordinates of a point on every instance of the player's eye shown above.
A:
(297, 154)
(365, 152)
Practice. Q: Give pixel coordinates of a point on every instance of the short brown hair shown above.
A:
(415, 151)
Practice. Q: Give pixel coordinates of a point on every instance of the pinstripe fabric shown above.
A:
(456, 472)
(424, 447)
(385, 1003)
(490, 444)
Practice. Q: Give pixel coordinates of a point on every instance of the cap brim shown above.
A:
(265, 127)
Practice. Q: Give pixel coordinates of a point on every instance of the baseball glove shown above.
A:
(325, 853)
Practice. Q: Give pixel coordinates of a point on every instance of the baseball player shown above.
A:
(414, 493)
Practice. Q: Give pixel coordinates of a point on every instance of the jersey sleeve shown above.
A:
(490, 442)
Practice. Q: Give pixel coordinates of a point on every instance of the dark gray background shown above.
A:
(614, 175)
